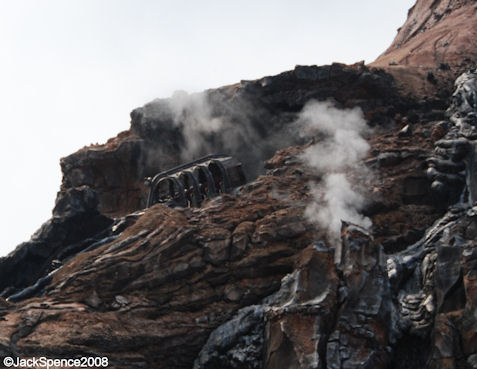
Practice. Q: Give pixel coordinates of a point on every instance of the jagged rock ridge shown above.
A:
(254, 119)
(434, 46)
(248, 280)
(436, 33)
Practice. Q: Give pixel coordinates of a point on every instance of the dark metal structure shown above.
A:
(189, 184)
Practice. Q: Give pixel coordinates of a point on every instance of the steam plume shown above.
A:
(211, 122)
(338, 152)
(193, 114)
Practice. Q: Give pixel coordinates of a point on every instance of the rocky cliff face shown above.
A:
(436, 33)
(249, 120)
(259, 278)
(433, 47)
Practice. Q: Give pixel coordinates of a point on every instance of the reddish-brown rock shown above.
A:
(436, 33)
(434, 46)
(251, 279)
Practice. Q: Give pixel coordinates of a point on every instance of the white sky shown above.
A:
(72, 70)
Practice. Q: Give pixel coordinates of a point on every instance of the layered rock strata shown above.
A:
(433, 47)
(248, 282)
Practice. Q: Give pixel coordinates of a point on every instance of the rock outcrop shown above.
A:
(253, 279)
(436, 34)
(173, 285)
(249, 121)
(75, 221)
(433, 47)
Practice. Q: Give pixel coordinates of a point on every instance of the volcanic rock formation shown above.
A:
(253, 279)
(436, 34)
(433, 47)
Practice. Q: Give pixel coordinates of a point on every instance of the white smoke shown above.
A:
(216, 123)
(193, 114)
(337, 154)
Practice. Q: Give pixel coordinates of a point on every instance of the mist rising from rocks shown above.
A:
(207, 123)
(193, 114)
(337, 153)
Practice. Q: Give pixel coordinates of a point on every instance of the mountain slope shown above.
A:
(262, 277)
(433, 47)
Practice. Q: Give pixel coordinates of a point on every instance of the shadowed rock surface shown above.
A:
(251, 279)
(252, 120)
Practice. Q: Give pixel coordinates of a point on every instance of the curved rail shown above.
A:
(189, 184)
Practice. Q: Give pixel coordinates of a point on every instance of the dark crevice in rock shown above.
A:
(247, 281)
(410, 352)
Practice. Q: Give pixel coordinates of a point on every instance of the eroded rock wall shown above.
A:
(250, 280)
(249, 120)
(436, 33)
(433, 47)
(247, 281)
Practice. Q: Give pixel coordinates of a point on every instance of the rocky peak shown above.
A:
(255, 278)
(434, 46)
(436, 33)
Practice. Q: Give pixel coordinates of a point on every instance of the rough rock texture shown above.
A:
(166, 282)
(436, 32)
(433, 47)
(253, 119)
(249, 280)
(452, 168)
(325, 314)
(411, 309)
(115, 172)
(75, 220)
